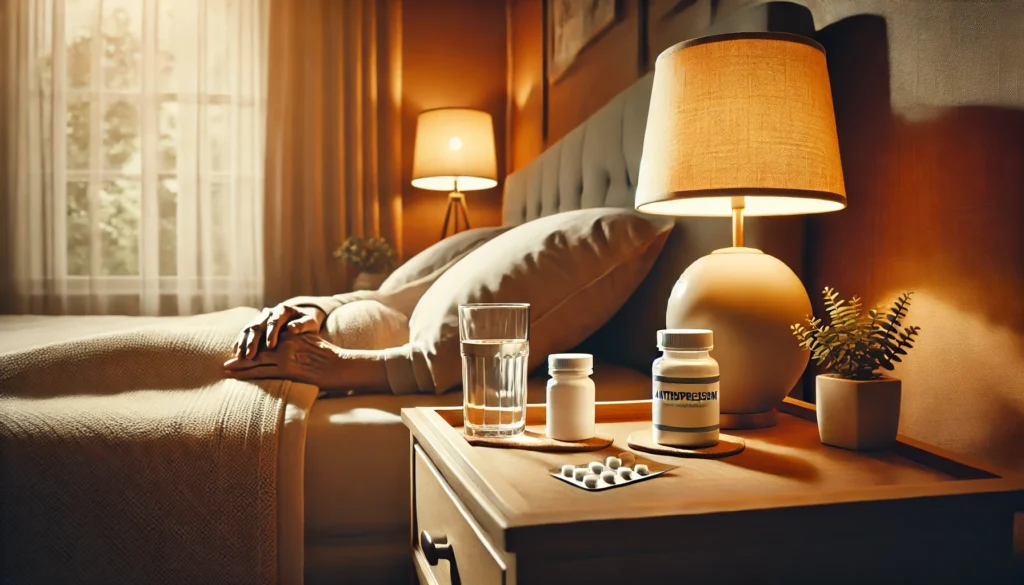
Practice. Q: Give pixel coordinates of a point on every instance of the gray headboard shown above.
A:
(596, 165)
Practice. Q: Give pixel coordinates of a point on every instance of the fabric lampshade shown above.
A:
(741, 120)
(454, 144)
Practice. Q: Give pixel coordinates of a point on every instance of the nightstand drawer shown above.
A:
(451, 532)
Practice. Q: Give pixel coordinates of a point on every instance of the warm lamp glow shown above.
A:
(454, 145)
(741, 121)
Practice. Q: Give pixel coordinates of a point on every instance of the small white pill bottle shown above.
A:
(570, 397)
(684, 406)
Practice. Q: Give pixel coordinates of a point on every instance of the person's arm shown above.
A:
(310, 359)
(401, 369)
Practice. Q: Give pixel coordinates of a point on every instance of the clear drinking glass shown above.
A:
(495, 346)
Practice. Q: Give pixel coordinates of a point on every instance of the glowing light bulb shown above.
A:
(455, 144)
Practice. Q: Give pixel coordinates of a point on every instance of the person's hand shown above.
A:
(303, 358)
(310, 359)
(268, 326)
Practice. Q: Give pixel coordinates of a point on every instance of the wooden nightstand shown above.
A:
(787, 509)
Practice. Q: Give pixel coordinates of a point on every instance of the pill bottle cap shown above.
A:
(685, 339)
(570, 362)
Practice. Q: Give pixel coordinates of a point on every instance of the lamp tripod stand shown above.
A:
(456, 207)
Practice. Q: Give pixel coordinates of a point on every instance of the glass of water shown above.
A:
(495, 347)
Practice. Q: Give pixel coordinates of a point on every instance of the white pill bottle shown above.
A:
(570, 397)
(684, 408)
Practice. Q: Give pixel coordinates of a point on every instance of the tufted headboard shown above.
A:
(596, 165)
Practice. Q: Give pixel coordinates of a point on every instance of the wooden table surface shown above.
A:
(787, 459)
(785, 489)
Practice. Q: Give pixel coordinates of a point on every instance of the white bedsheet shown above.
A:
(19, 332)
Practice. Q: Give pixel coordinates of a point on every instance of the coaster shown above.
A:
(727, 445)
(532, 441)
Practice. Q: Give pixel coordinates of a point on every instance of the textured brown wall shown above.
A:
(526, 83)
(615, 59)
(602, 70)
(929, 101)
(453, 55)
(929, 98)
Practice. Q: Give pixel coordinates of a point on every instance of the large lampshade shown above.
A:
(745, 115)
(454, 148)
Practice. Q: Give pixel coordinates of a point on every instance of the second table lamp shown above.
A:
(454, 152)
(742, 124)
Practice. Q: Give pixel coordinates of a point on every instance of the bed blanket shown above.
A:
(127, 458)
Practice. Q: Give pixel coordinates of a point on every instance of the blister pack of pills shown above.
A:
(612, 472)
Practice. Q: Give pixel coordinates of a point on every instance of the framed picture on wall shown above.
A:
(572, 25)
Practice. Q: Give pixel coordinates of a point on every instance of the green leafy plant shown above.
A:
(367, 254)
(856, 345)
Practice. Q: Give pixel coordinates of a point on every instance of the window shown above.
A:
(156, 179)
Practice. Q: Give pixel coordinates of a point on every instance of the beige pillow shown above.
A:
(575, 269)
(438, 255)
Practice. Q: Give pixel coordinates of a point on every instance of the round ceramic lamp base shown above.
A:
(749, 300)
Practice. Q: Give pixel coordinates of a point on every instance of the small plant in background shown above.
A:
(372, 255)
(855, 345)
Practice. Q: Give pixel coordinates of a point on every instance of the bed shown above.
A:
(331, 520)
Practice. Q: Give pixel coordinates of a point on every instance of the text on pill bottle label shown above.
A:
(685, 404)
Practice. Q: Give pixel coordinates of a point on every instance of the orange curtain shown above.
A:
(333, 139)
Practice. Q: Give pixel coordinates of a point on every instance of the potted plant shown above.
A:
(858, 405)
(373, 257)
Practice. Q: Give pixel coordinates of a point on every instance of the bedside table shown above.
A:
(787, 509)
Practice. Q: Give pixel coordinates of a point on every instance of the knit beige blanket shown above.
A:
(127, 458)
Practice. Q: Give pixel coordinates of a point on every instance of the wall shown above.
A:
(527, 92)
(542, 113)
(929, 99)
(611, 63)
(453, 55)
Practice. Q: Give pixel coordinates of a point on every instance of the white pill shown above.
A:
(596, 467)
(591, 480)
(613, 462)
(608, 476)
(579, 473)
(640, 469)
(567, 470)
(625, 473)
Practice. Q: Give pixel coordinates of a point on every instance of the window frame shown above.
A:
(148, 101)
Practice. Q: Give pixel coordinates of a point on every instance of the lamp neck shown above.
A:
(738, 204)
(456, 194)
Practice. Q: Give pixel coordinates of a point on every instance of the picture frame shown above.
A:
(573, 25)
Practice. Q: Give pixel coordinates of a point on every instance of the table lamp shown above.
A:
(454, 152)
(742, 124)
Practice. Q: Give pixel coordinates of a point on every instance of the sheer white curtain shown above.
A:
(133, 154)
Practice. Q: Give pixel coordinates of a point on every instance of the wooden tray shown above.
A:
(639, 411)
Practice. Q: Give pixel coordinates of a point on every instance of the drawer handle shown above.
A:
(436, 548)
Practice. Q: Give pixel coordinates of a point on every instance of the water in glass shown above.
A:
(495, 351)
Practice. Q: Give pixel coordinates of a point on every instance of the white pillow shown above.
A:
(574, 268)
(438, 255)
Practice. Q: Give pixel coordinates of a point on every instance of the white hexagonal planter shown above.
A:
(857, 414)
